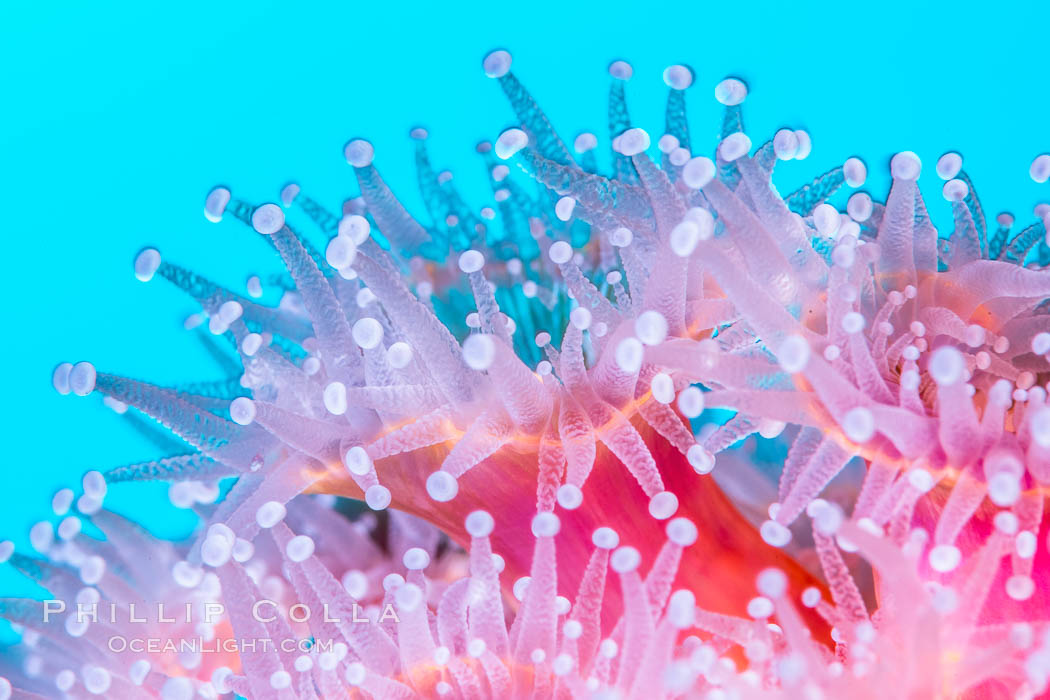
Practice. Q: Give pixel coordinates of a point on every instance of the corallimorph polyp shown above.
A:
(810, 444)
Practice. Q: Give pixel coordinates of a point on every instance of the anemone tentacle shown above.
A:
(596, 381)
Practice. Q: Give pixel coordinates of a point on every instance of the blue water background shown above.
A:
(117, 118)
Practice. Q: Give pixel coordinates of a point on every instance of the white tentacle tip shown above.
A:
(510, 142)
(774, 534)
(442, 486)
(215, 204)
(497, 63)
(146, 264)
(359, 153)
(268, 219)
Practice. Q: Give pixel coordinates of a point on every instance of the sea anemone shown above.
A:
(553, 393)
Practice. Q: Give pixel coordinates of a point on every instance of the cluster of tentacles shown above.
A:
(550, 382)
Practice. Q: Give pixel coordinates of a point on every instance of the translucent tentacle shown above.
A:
(614, 430)
(435, 345)
(177, 468)
(805, 199)
(526, 399)
(587, 608)
(429, 429)
(486, 612)
(973, 203)
(666, 290)
(958, 423)
(638, 628)
(619, 122)
(202, 429)
(552, 464)
(211, 296)
(675, 122)
(259, 665)
(340, 354)
(827, 461)
(390, 216)
(538, 618)
(844, 590)
(492, 429)
(802, 449)
(578, 440)
(534, 120)
(791, 235)
(326, 221)
(966, 241)
(963, 501)
(599, 201)
(731, 432)
(1021, 244)
(313, 581)
(896, 266)
(452, 625)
